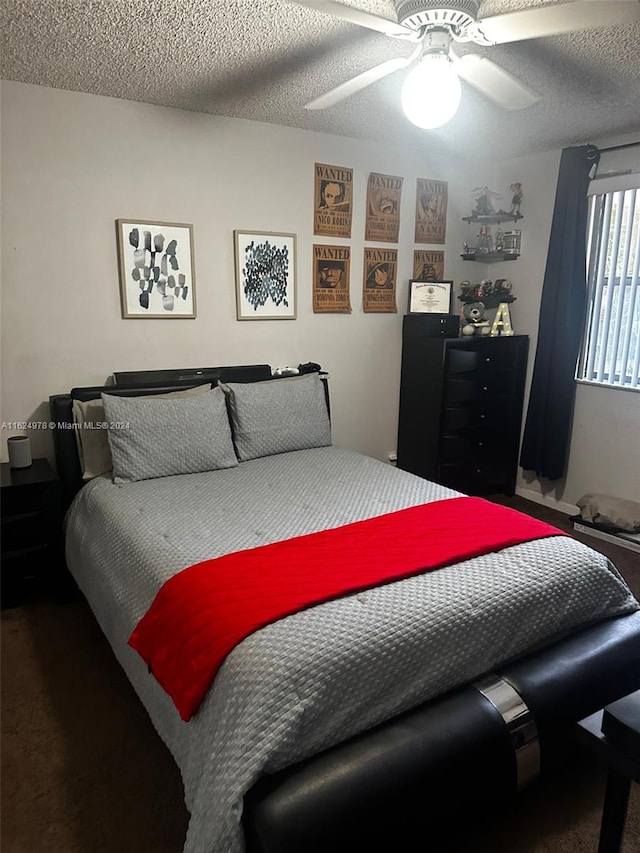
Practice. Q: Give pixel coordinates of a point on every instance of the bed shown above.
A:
(356, 722)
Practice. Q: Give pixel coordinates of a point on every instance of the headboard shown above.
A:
(140, 383)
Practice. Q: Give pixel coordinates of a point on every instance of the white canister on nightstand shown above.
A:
(19, 447)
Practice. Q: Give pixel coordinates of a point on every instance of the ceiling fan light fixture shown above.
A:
(432, 91)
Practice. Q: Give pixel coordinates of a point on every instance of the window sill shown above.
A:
(605, 386)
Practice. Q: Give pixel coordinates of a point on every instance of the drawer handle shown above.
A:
(482, 417)
(487, 359)
(485, 387)
(481, 444)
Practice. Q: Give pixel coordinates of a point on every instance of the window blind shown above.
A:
(611, 352)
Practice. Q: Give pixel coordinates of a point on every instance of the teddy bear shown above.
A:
(474, 321)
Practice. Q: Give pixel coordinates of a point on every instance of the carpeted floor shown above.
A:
(83, 770)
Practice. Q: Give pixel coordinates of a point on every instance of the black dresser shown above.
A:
(461, 407)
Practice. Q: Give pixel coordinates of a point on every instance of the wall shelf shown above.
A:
(491, 300)
(493, 218)
(489, 257)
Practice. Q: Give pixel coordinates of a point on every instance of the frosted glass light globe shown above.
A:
(431, 93)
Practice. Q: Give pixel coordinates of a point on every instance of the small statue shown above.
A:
(516, 199)
(484, 205)
(484, 243)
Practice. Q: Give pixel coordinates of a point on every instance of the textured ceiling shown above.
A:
(264, 59)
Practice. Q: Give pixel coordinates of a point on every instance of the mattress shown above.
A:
(324, 674)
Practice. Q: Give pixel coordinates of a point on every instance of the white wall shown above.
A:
(73, 163)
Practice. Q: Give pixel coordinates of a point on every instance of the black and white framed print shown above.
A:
(156, 265)
(265, 275)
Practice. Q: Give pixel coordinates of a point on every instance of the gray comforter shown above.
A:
(322, 675)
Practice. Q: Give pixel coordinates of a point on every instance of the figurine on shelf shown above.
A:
(503, 289)
(484, 243)
(511, 241)
(516, 199)
(490, 293)
(484, 205)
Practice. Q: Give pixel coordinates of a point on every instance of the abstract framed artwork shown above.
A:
(265, 263)
(156, 266)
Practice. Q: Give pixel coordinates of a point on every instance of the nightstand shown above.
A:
(31, 509)
(614, 735)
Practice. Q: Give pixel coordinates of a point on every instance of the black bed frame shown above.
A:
(395, 786)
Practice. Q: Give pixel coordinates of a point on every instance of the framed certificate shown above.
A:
(429, 297)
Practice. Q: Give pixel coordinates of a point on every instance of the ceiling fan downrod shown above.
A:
(436, 40)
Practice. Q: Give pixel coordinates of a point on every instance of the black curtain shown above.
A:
(562, 316)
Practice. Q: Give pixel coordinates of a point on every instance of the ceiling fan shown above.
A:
(431, 92)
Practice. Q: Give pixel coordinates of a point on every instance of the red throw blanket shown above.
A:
(203, 612)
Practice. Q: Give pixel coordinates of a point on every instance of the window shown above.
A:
(611, 348)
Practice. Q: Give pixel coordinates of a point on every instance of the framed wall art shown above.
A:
(156, 267)
(265, 264)
(431, 211)
(331, 279)
(333, 193)
(429, 297)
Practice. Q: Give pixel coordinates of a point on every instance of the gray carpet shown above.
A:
(83, 770)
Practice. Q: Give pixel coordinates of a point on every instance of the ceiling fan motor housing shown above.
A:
(457, 14)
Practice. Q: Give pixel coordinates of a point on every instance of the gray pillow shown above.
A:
(277, 416)
(93, 442)
(160, 438)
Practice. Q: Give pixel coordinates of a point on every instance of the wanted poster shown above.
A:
(383, 208)
(379, 290)
(331, 279)
(431, 211)
(428, 265)
(333, 195)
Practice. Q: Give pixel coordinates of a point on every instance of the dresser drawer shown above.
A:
(27, 529)
(473, 444)
(484, 477)
(483, 362)
(31, 498)
(24, 574)
(25, 562)
(495, 389)
(461, 418)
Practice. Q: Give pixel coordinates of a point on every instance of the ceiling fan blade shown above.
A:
(554, 20)
(494, 82)
(357, 16)
(356, 84)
